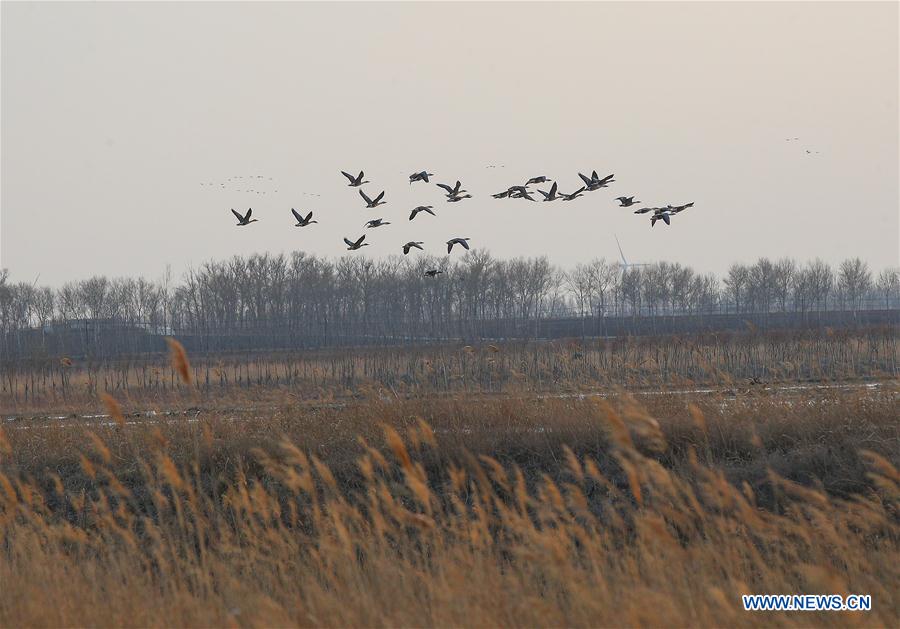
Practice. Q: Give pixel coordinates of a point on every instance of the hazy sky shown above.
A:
(114, 114)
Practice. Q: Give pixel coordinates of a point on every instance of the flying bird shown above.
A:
(353, 246)
(594, 182)
(432, 272)
(550, 196)
(454, 198)
(501, 195)
(245, 219)
(420, 176)
(521, 195)
(421, 208)
(675, 209)
(573, 196)
(457, 241)
(452, 192)
(626, 201)
(412, 245)
(664, 216)
(354, 181)
(301, 221)
(369, 202)
(378, 222)
(541, 179)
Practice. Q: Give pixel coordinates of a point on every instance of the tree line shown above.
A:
(306, 298)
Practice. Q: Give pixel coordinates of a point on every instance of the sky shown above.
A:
(122, 121)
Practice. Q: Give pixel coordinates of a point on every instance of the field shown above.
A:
(583, 483)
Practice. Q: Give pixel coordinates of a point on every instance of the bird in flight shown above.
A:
(664, 216)
(301, 221)
(675, 209)
(421, 208)
(457, 241)
(354, 181)
(594, 182)
(353, 246)
(420, 176)
(455, 198)
(412, 245)
(452, 192)
(541, 179)
(573, 196)
(378, 222)
(550, 196)
(245, 219)
(432, 272)
(372, 203)
(626, 201)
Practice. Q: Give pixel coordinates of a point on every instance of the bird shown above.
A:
(550, 196)
(353, 246)
(354, 181)
(378, 222)
(644, 210)
(412, 245)
(664, 216)
(573, 196)
(453, 198)
(244, 220)
(457, 241)
(302, 222)
(675, 209)
(521, 195)
(421, 208)
(372, 203)
(420, 176)
(594, 182)
(432, 272)
(452, 192)
(541, 179)
(626, 201)
(501, 195)
(516, 189)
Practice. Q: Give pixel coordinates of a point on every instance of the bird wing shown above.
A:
(463, 242)
(249, 212)
(379, 197)
(429, 210)
(237, 214)
(412, 214)
(446, 187)
(579, 191)
(546, 194)
(457, 187)
(349, 244)
(425, 176)
(665, 217)
(297, 215)
(367, 199)
(308, 216)
(553, 190)
(361, 238)
(595, 176)
(406, 248)
(586, 180)
(348, 176)
(361, 175)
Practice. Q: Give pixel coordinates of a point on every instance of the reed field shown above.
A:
(64, 383)
(568, 484)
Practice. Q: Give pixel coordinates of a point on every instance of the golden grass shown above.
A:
(456, 512)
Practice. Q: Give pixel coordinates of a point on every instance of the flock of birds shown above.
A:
(456, 194)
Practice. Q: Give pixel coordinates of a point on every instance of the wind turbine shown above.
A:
(625, 263)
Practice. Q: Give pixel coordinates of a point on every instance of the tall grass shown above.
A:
(454, 512)
(572, 365)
